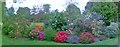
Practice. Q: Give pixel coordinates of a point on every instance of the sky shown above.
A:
(55, 4)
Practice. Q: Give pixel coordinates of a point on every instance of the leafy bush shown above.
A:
(97, 27)
(36, 32)
(50, 33)
(61, 36)
(112, 30)
(73, 39)
(58, 22)
(90, 22)
(108, 9)
(13, 25)
(87, 38)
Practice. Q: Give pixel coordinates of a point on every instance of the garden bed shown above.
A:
(70, 27)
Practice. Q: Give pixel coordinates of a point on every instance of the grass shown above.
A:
(0, 23)
(9, 41)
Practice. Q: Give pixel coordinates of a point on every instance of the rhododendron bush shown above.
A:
(61, 36)
(87, 37)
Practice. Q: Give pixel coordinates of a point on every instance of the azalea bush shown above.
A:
(74, 39)
(41, 36)
(36, 33)
(87, 38)
(61, 36)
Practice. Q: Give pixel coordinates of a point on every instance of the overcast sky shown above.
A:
(55, 4)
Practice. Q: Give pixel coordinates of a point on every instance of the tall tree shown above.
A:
(11, 11)
(108, 9)
(72, 11)
(46, 8)
(23, 11)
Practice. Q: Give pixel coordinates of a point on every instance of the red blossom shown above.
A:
(87, 35)
(39, 27)
(61, 36)
(70, 31)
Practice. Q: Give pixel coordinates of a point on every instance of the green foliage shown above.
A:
(24, 12)
(46, 7)
(72, 12)
(112, 30)
(108, 9)
(10, 11)
(14, 26)
(49, 34)
(58, 22)
(97, 27)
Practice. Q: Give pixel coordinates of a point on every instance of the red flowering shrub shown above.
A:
(34, 33)
(87, 38)
(61, 36)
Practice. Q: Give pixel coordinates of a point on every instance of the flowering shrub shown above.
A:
(87, 37)
(70, 31)
(34, 33)
(41, 36)
(39, 27)
(61, 36)
(58, 22)
(73, 39)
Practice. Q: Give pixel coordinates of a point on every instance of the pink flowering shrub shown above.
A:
(34, 33)
(87, 38)
(41, 36)
(61, 36)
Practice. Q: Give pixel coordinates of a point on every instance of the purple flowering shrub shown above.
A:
(73, 39)
(41, 36)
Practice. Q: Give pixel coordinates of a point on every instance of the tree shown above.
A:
(108, 9)
(11, 11)
(72, 12)
(23, 11)
(46, 8)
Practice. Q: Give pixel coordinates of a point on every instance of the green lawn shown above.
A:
(0, 23)
(8, 41)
